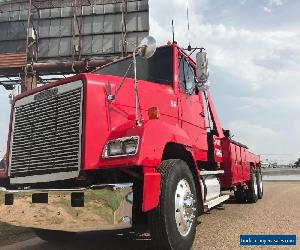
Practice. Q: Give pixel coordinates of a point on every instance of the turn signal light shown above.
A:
(153, 113)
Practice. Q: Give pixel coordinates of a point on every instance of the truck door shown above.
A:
(191, 111)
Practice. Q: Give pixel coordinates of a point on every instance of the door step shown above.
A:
(204, 172)
(210, 204)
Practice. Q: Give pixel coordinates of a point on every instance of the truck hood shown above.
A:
(150, 94)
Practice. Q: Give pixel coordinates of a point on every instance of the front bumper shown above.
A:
(99, 207)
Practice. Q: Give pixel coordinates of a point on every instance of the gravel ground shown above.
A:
(277, 213)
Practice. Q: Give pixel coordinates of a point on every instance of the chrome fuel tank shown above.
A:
(212, 187)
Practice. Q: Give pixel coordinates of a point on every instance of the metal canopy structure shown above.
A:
(41, 37)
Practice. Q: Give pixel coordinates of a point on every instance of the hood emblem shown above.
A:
(46, 94)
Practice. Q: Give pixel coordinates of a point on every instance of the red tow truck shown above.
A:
(138, 138)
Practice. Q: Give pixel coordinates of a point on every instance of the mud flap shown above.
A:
(151, 191)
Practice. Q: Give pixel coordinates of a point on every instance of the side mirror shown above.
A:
(147, 47)
(202, 66)
(227, 133)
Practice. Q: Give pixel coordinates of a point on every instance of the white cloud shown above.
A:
(267, 9)
(246, 54)
(276, 2)
(271, 4)
(264, 140)
(283, 102)
(262, 62)
(252, 134)
(4, 118)
(3, 137)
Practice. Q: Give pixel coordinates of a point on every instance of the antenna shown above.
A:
(188, 24)
(173, 32)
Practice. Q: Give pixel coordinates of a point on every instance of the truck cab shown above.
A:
(140, 139)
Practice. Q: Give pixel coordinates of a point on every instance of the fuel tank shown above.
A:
(211, 186)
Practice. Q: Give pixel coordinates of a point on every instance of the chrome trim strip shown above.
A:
(93, 187)
(44, 177)
(61, 89)
(211, 172)
(106, 207)
(217, 201)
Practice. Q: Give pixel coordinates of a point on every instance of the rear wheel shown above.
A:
(54, 236)
(173, 223)
(260, 185)
(252, 191)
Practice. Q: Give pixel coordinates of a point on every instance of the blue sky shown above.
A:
(254, 53)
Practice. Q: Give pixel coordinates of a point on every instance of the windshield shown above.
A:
(158, 69)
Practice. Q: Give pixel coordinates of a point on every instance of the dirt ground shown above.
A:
(277, 213)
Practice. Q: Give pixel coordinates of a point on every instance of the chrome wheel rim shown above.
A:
(261, 183)
(185, 207)
(255, 185)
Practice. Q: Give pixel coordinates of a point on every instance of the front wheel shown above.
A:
(173, 223)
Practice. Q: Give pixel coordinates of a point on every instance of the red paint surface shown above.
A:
(236, 164)
(151, 190)
(182, 123)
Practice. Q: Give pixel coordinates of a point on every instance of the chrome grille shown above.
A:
(47, 136)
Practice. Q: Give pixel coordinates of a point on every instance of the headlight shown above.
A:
(121, 147)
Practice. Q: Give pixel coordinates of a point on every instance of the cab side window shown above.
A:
(186, 76)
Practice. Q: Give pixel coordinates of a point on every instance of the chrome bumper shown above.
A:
(100, 207)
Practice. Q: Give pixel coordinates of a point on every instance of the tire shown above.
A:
(252, 191)
(240, 195)
(260, 184)
(168, 228)
(54, 236)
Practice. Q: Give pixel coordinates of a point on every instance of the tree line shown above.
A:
(297, 163)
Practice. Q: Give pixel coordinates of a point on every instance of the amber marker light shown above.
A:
(153, 113)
